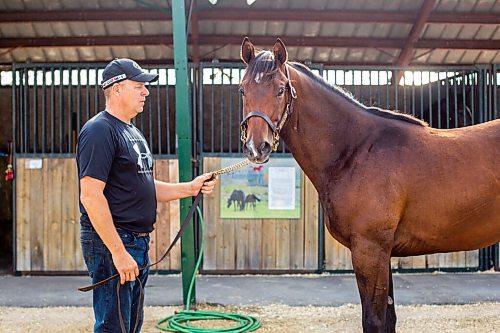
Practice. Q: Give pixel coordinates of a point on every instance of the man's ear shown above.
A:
(247, 52)
(279, 51)
(116, 88)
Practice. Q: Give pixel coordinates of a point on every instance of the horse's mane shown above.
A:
(375, 110)
(264, 66)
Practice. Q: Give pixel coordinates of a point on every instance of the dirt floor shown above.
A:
(477, 318)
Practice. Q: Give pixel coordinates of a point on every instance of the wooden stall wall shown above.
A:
(47, 230)
(167, 221)
(47, 217)
(260, 245)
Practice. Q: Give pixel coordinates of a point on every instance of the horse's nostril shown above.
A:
(265, 148)
(247, 150)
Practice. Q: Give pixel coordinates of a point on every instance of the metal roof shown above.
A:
(400, 32)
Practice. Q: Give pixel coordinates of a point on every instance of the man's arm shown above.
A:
(174, 191)
(97, 207)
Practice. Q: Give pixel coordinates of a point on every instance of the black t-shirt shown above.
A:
(117, 154)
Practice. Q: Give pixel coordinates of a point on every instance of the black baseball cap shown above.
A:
(125, 69)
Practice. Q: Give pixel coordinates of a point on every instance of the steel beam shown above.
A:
(250, 15)
(291, 41)
(184, 142)
(406, 54)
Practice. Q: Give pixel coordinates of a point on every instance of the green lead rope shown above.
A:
(181, 321)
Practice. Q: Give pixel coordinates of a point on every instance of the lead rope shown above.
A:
(184, 224)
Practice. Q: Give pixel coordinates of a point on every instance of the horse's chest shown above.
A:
(336, 224)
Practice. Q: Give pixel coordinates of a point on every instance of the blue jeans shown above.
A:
(100, 265)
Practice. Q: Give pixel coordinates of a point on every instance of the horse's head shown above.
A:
(267, 93)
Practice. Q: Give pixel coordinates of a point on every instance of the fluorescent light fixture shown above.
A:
(213, 2)
(250, 2)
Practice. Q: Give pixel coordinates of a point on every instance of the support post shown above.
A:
(183, 129)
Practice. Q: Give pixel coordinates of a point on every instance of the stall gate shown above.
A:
(51, 102)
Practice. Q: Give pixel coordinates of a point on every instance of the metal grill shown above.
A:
(51, 103)
(445, 97)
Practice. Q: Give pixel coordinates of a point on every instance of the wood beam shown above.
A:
(86, 41)
(249, 15)
(216, 40)
(416, 31)
(84, 15)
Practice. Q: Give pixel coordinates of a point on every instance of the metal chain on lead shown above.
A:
(232, 167)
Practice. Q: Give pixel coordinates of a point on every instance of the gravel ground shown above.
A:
(477, 318)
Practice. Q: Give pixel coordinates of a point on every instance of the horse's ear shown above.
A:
(279, 51)
(247, 52)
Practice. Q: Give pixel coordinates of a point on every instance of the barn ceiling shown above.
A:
(343, 32)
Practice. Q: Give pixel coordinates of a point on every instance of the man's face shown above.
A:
(132, 96)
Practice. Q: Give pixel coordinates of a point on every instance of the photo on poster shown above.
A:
(261, 191)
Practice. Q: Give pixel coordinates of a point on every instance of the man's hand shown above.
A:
(126, 266)
(202, 183)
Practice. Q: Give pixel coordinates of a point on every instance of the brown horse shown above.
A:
(389, 184)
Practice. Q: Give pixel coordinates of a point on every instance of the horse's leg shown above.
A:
(371, 262)
(390, 320)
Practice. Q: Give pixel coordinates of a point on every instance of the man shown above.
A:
(118, 195)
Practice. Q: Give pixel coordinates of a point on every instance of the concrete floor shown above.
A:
(294, 290)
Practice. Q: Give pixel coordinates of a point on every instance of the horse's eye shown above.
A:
(241, 91)
(281, 91)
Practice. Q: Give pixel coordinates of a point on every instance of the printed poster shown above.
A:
(261, 191)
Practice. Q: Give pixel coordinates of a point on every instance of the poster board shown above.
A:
(261, 191)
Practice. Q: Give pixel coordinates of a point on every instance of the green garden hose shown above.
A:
(181, 321)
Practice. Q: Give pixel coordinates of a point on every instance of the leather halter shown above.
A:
(276, 128)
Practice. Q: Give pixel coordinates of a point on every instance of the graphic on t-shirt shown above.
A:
(144, 160)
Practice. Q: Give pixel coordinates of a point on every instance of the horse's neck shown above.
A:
(324, 131)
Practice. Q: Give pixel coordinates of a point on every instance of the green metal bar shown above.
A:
(495, 101)
(52, 111)
(167, 116)
(212, 112)
(463, 99)
(14, 125)
(61, 111)
(44, 110)
(201, 110)
(35, 111)
(183, 129)
(231, 125)
(431, 122)
(439, 102)
(221, 69)
(473, 78)
(480, 93)
(70, 111)
(447, 86)
(404, 92)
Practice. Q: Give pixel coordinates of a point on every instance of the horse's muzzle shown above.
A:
(259, 154)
